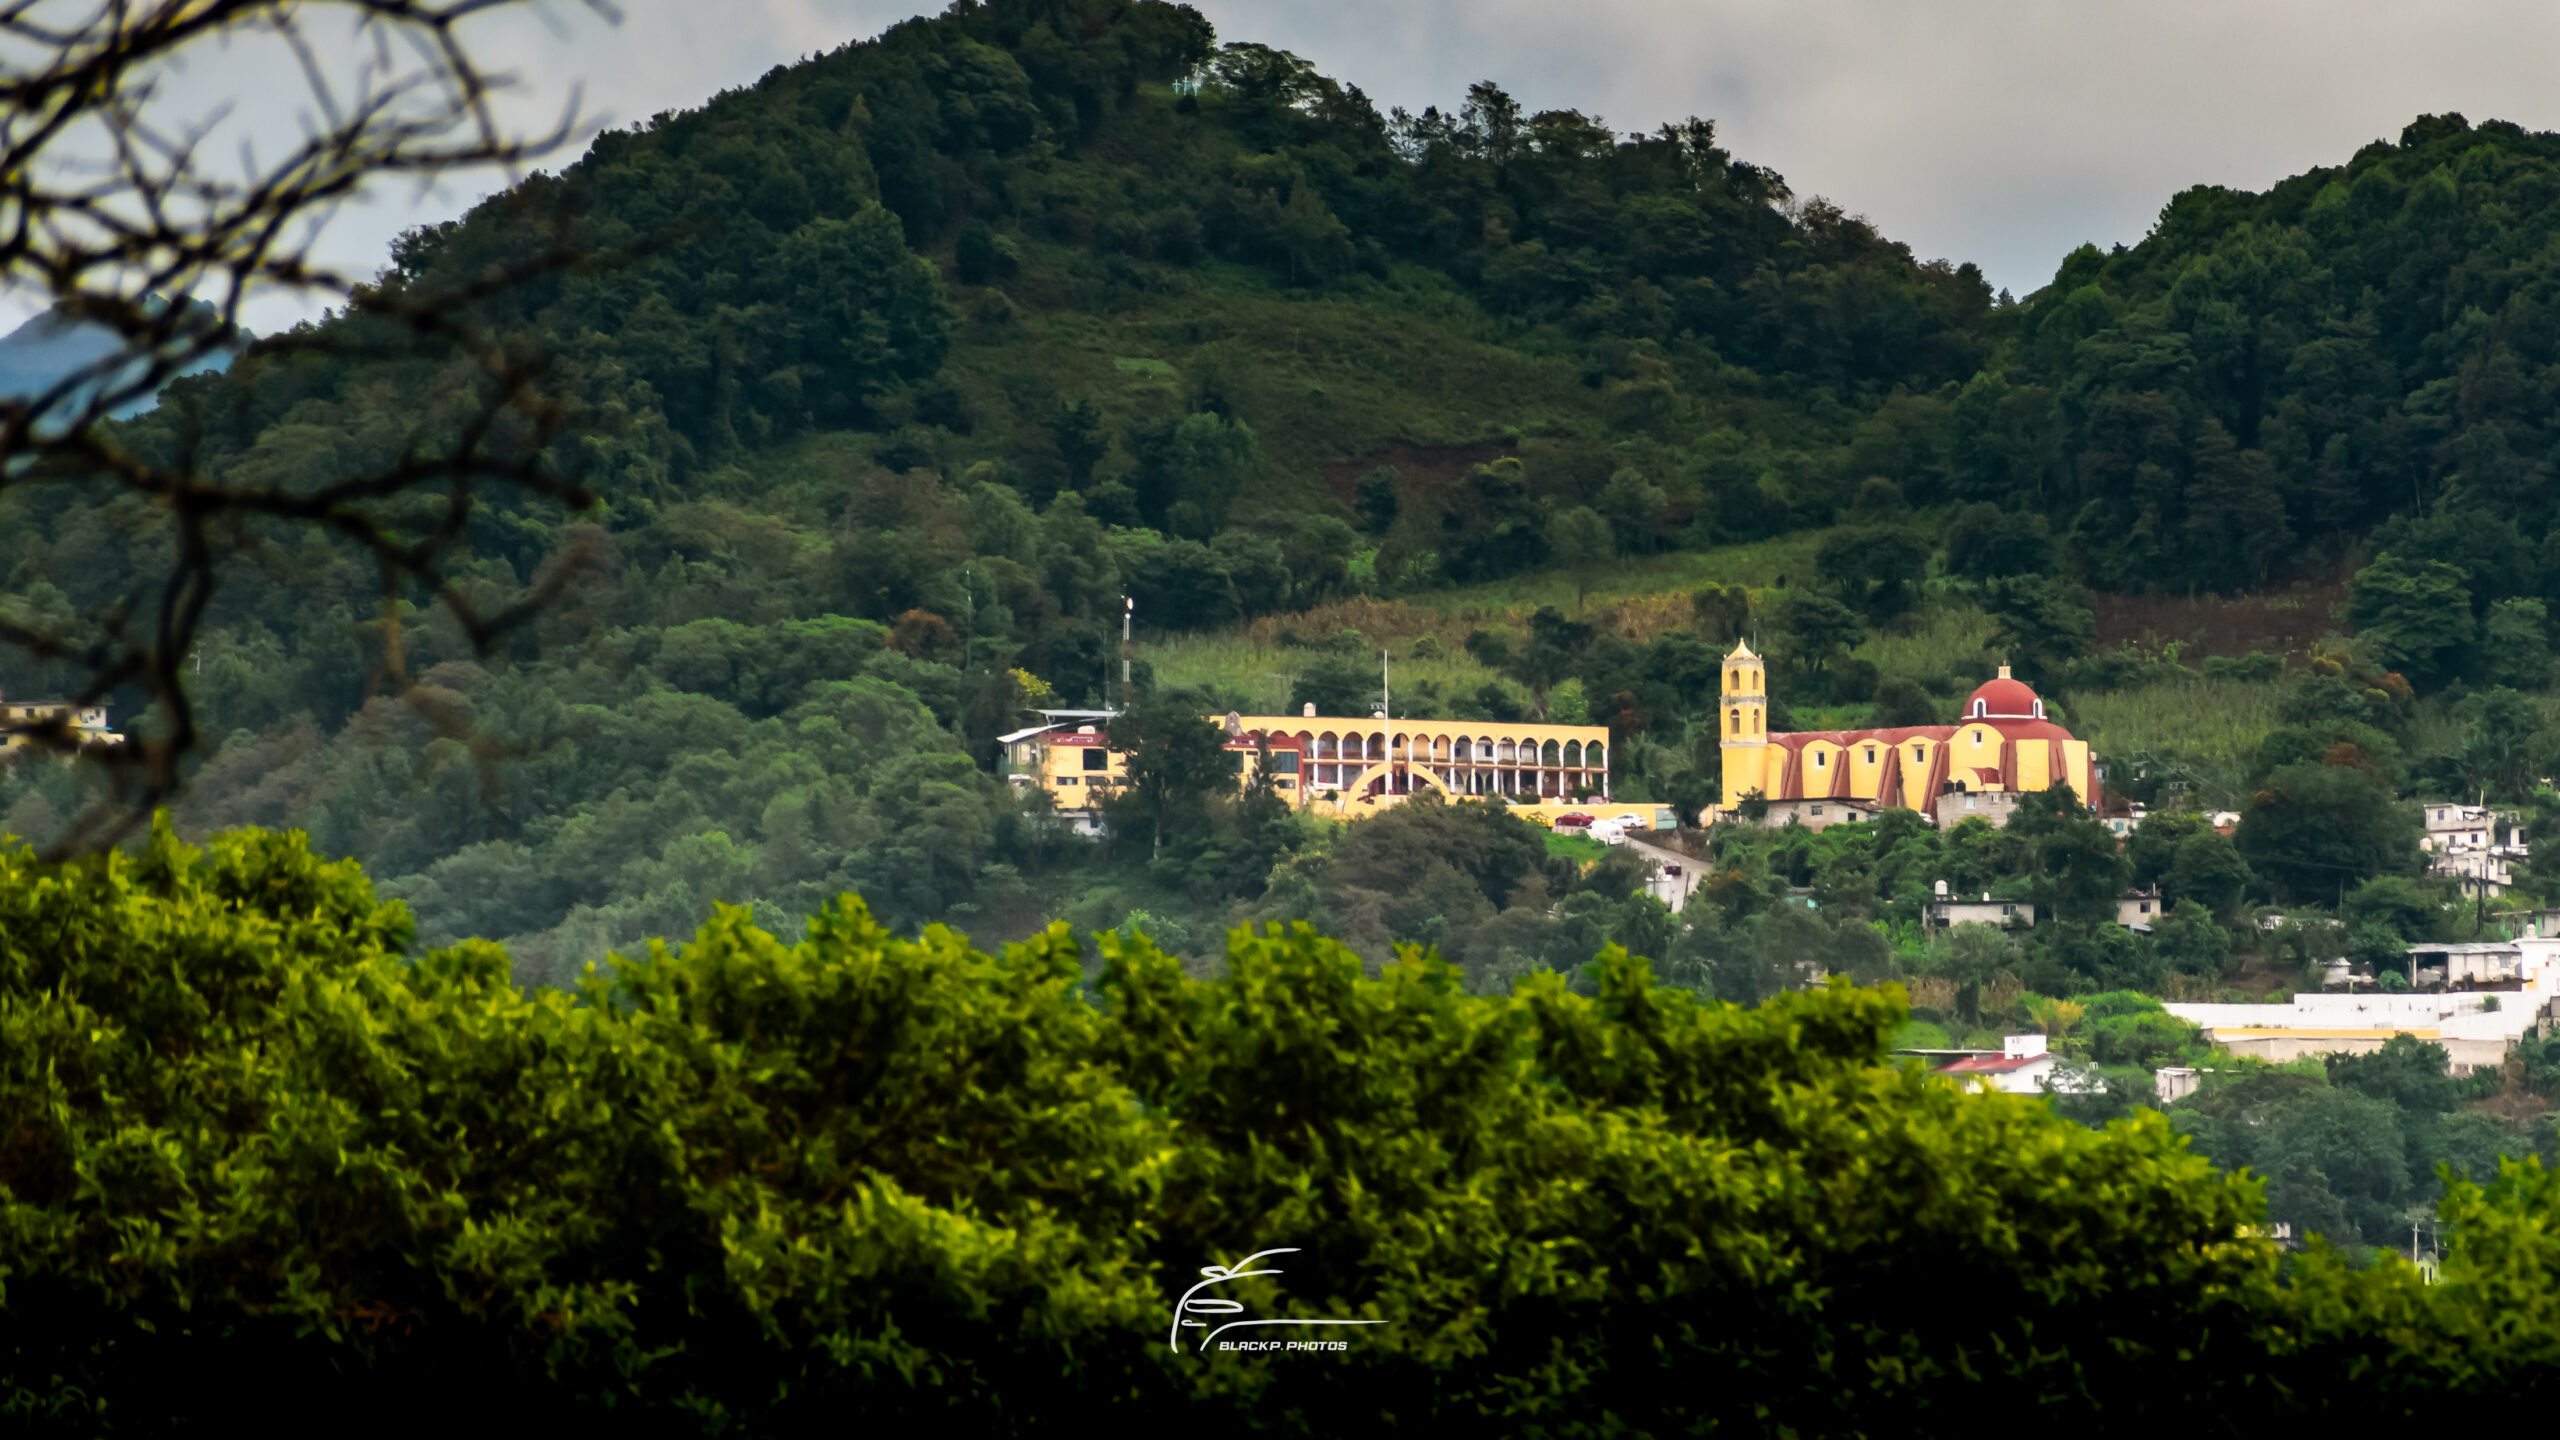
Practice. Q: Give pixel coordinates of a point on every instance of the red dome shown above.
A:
(2003, 699)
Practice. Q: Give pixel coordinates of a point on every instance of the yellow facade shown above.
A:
(1348, 767)
(88, 723)
(2001, 743)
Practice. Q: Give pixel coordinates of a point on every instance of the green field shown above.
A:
(2211, 729)
(1575, 847)
(1760, 564)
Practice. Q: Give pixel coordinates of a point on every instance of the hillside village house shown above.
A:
(2136, 909)
(2474, 845)
(1946, 911)
(20, 717)
(2450, 825)
(2001, 748)
(1818, 815)
(2023, 1067)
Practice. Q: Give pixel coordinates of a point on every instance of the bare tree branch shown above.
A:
(110, 210)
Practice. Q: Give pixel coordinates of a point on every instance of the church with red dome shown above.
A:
(2001, 746)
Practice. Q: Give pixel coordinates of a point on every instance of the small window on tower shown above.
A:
(1871, 754)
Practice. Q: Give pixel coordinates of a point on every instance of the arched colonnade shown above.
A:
(1465, 762)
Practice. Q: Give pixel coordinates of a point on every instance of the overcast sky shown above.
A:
(1999, 131)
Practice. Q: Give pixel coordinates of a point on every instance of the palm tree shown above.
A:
(2058, 1017)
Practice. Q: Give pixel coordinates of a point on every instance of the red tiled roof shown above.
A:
(2028, 729)
(1797, 739)
(2004, 696)
(1991, 1066)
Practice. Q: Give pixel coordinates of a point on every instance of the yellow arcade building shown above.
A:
(1345, 767)
(2000, 747)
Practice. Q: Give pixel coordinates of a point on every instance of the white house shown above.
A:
(2136, 909)
(1947, 910)
(2022, 1067)
(1819, 814)
(2473, 844)
(2449, 825)
(2475, 1028)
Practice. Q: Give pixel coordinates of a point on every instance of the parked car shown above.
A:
(1574, 818)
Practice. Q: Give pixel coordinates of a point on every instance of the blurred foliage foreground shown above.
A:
(255, 1158)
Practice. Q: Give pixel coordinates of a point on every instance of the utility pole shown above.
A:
(1128, 608)
(1387, 712)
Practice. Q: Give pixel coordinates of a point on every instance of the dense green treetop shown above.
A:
(244, 1128)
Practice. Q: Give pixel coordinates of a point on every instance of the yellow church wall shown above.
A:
(1917, 757)
(1821, 761)
(2035, 765)
(1746, 770)
(1866, 768)
(1977, 747)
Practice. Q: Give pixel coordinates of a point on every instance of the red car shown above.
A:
(1575, 818)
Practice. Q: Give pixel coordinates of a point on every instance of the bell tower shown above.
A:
(1742, 720)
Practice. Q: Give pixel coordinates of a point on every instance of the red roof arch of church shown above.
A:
(2003, 698)
(2007, 729)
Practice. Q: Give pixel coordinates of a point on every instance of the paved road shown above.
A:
(1671, 890)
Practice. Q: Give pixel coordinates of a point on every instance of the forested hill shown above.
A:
(899, 368)
(2266, 378)
(1190, 286)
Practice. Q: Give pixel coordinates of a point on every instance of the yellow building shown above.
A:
(1345, 767)
(87, 723)
(2002, 746)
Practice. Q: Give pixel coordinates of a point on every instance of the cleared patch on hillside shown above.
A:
(1427, 472)
(2282, 622)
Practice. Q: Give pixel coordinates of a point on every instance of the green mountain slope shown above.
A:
(900, 368)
